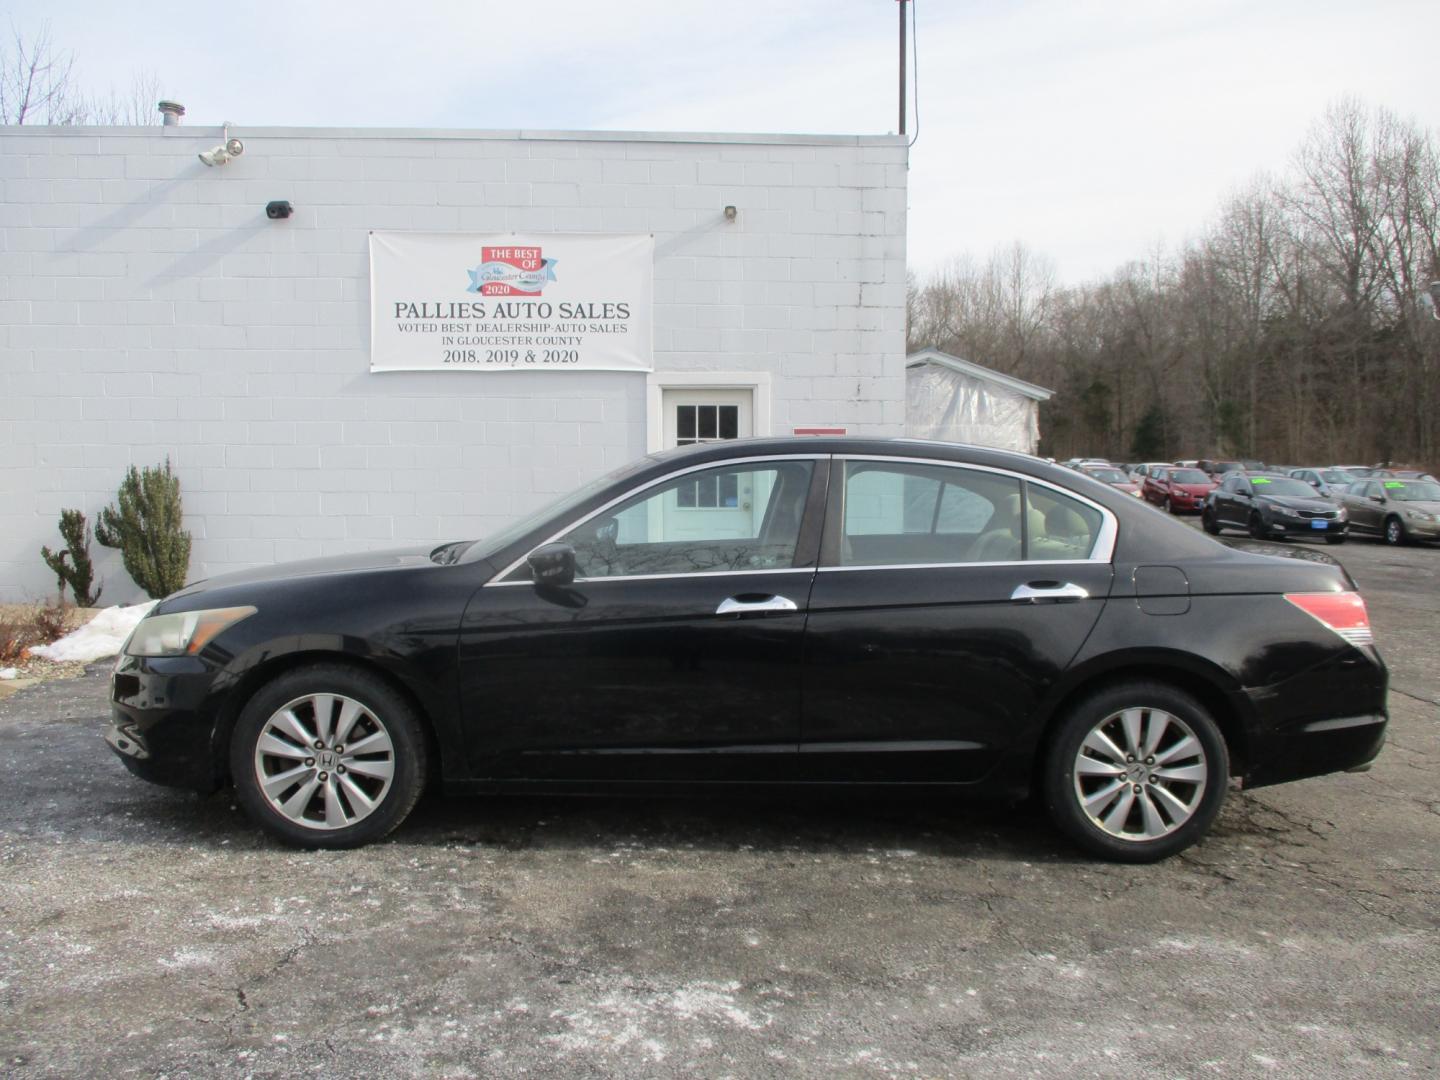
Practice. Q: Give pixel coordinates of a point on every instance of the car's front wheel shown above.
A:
(1136, 772)
(1169, 507)
(1257, 527)
(328, 757)
(1208, 522)
(1395, 532)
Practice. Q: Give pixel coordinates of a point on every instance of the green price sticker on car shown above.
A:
(1260, 480)
(1394, 484)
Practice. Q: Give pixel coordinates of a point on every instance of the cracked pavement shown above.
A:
(144, 932)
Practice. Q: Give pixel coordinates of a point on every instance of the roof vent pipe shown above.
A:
(172, 111)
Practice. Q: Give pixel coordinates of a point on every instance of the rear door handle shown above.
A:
(754, 604)
(1055, 592)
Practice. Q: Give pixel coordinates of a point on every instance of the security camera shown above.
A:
(219, 155)
(280, 208)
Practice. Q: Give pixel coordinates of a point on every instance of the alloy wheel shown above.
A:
(1394, 531)
(324, 761)
(1140, 774)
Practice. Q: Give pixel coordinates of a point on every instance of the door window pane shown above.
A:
(1061, 527)
(727, 518)
(904, 514)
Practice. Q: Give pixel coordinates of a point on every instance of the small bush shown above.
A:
(146, 526)
(20, 632)
(71, 563)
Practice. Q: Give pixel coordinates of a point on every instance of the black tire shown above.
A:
(1169, 509)
(1208, 522)
(1257, 527)
(1335, 539)
(378, 708)
(1395, 534)
(1062, 788)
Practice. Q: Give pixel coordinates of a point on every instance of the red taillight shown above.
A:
(1343, 612)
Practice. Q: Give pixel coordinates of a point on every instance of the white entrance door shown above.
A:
(719, 504)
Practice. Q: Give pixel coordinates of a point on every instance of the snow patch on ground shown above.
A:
(102, 636)
(9, 672)
(639, 1021)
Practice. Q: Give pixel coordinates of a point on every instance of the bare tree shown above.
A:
(39, 85)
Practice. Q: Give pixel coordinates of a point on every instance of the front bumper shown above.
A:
(163, 717)
(1422, 530)
(1279, 526)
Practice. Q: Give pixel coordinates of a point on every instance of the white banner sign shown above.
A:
(511, 302)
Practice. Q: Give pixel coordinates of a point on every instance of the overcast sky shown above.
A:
(1092, 130)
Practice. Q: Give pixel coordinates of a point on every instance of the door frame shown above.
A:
(758, 383)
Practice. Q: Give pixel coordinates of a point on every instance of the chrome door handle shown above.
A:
(740, 605)
(1055, 591)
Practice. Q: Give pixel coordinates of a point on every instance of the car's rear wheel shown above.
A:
(1395, 531)
(328, 757)
(1208, 522)
(1136, 772)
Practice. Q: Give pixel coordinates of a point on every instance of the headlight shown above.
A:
(1418, 515)
(1341, 514)
(184, 633)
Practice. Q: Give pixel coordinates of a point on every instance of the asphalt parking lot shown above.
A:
(144, 932)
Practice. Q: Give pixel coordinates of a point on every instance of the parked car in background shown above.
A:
(1178, 491)
(1141, 471)
(1220, 467)
(1272, 508)
(1328, 482)
(804, 611)
(1412, 474)
(1397, 510)
(1112, 475)
(1188, 464)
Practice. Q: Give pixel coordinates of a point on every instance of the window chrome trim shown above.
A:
(959, 565)
(497, 581)
(663, 577)
(1102, 551)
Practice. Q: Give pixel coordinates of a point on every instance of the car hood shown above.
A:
(1194, 489)
(391, 559)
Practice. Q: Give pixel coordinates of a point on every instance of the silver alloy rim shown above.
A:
(1140, 774)
(324, 761)
(1392, 531)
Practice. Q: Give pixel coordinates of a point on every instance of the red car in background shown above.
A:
(1179, 491)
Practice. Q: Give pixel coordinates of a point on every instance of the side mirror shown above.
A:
(1377, 498)
(552, 564)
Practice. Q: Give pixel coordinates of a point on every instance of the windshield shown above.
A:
(1337, 476)
(1413, 490)
(1188, 476)
(1109, 476)
(1226, 466)
(1281, 485)
(554, 508)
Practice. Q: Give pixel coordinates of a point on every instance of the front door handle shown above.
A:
(754, 604)
(1036, 592)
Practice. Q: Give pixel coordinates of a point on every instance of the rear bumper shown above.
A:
(1341, 744)
(1332, 718)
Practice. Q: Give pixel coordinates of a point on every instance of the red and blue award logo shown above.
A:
(511, 271)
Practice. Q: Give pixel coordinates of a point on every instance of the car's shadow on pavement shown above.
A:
(839, 823)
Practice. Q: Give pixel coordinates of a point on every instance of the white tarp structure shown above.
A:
(953, 400)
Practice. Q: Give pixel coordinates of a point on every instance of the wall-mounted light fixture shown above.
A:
(228, 148)
(278, 209)
(731, 213)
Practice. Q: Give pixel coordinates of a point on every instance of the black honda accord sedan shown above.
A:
(765, 612)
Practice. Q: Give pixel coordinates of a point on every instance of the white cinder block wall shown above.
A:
(149, 308)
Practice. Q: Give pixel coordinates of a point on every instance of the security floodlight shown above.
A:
(219, 155)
